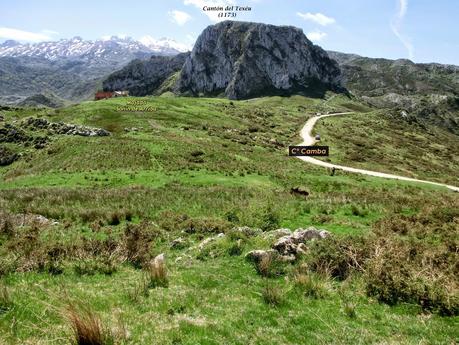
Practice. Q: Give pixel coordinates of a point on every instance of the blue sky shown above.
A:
(422, 30)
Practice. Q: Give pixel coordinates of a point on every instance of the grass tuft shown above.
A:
(272, 295)
(87, 327)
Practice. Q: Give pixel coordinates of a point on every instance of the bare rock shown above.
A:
(178, 243)
(247, 231)
(275, 234)
(257, 255)
(244, 60)
(293, 244)
(208, 240)
(159, 260)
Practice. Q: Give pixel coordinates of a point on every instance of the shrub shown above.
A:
(87, 327)
(115, 218)
(91, 266)
(269, 266)
(272, 295)
(205, 225)
(6, 302)
(269, 219)
(138, 239)
(399, 274)
(140, 289)
(339, 256)
(414, 260)
(310, 285)
(235, 248)
(6, 225)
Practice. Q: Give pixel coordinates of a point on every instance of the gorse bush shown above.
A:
(339, 256)
(405, 259)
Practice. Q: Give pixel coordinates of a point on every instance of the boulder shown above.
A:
(275, 234)
(208, 240)
(178, 243)
(256, 256)
(159, 260)
(293, 244)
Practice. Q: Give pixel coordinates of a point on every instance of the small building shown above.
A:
(120, 94)
(317, 137)
(103, 95)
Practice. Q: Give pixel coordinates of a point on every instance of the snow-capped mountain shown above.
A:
(164, 45)
(76, 47)
(71, 69)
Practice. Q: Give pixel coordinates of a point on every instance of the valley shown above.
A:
(168, 180)
(147, 195)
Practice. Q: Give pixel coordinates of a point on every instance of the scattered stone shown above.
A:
(159, 260)
(247, 231)
(210, 239)
(290, 244)
(178, 243)
(65, 128)
(2, 118)
(275, 234)
(12, 134)
(256, 256)
(27, 219)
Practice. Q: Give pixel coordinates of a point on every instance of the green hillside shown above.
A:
(176, 172)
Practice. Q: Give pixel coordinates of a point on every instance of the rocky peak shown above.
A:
(242, 60)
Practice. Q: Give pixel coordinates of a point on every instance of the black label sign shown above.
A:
(298, 151)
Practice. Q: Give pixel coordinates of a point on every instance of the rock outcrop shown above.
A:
(144, 77)
(288, 245)
(65, 128)
(295, 243)
(242, 60)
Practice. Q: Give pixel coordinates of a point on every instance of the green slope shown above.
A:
(192, 168)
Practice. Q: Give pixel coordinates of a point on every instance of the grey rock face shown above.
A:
(242, 60)
(142, 78)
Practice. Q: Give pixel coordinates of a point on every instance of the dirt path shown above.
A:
(308, 140)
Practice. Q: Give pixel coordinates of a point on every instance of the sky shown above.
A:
(420, 30)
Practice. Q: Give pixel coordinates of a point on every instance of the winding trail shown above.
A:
(308, 140)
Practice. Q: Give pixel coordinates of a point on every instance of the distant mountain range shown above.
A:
(230, 59)
(77, 48)
(70, 69)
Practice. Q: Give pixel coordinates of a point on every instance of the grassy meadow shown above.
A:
(173, 177)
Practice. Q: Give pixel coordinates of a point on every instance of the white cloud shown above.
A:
(316, 36)
(20, 35)
(179, 17)
(396, 25)
(50, 32)
(212, 15)
(317, 18)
